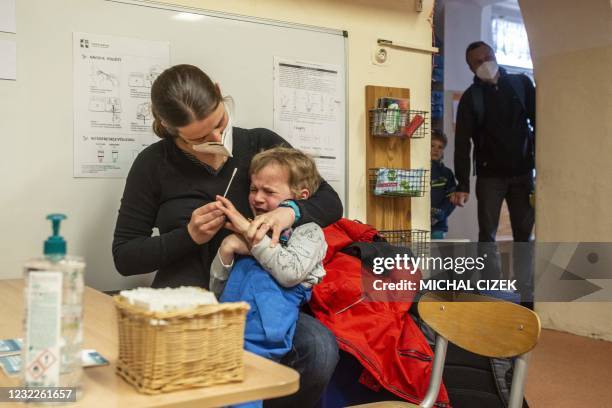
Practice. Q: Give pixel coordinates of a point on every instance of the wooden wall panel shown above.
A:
(386, 213)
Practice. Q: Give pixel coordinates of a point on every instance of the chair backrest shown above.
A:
(480, 324)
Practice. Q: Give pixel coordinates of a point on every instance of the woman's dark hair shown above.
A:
(180, 95)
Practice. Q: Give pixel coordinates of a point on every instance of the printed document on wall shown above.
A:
(309, 112)
(112, 103)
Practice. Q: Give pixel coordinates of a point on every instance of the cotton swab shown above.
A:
(230, 182)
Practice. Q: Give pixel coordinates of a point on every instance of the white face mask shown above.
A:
(224, 147)
(487, 71)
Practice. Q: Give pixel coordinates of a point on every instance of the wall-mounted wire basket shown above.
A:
(415, 239)
(398, 123)
(391, 182)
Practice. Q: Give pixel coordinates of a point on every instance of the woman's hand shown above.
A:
(205, 222)
(276, 220)
(232, 244)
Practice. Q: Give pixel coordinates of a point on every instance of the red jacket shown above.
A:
(380, 334)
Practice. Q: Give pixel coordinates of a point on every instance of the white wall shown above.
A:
(571, 67)
(574, 109)
(465, 21)
(462, 25)
(363, 21)
(26, 203)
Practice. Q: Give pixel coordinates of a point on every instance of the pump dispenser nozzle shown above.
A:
(55, 245)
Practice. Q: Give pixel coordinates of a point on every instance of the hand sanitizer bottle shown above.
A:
(53, 328)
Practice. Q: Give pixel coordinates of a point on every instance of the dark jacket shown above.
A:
(503, 142)
(442, 184)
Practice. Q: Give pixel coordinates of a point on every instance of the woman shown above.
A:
(172, 186)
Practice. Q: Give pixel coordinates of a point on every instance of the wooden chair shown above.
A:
(482, 325)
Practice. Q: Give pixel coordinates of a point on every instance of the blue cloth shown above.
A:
(271, 321)
(442, 184)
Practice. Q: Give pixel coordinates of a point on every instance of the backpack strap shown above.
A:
(479, 111)
(518, 86)
(478, 104)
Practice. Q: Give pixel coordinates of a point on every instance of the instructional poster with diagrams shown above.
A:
(112, 101)
(309, 112)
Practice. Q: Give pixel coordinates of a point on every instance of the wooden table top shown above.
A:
(264, 379)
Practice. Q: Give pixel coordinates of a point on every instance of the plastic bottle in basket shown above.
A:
(392, 118)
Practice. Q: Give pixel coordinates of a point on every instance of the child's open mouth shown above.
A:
(259, 211)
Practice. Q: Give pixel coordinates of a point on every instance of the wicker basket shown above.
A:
(168, 351)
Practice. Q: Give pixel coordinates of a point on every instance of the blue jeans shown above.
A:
(314, 355)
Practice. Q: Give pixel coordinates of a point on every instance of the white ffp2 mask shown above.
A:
(487, 71)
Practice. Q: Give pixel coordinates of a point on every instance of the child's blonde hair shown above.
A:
(301, 168)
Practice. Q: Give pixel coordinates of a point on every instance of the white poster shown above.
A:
(308, 112)
(8, 59)
(8, 22)
(112, 105)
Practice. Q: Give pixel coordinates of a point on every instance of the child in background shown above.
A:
(275, 281)
(442, 185)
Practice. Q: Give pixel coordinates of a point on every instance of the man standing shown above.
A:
(497, 115)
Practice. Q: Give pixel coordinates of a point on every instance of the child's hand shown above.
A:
(237, 220)
(459, 198)
(276, 221)
(233, 244)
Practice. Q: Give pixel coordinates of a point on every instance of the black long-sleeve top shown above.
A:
(503, 144)
(165, 185)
